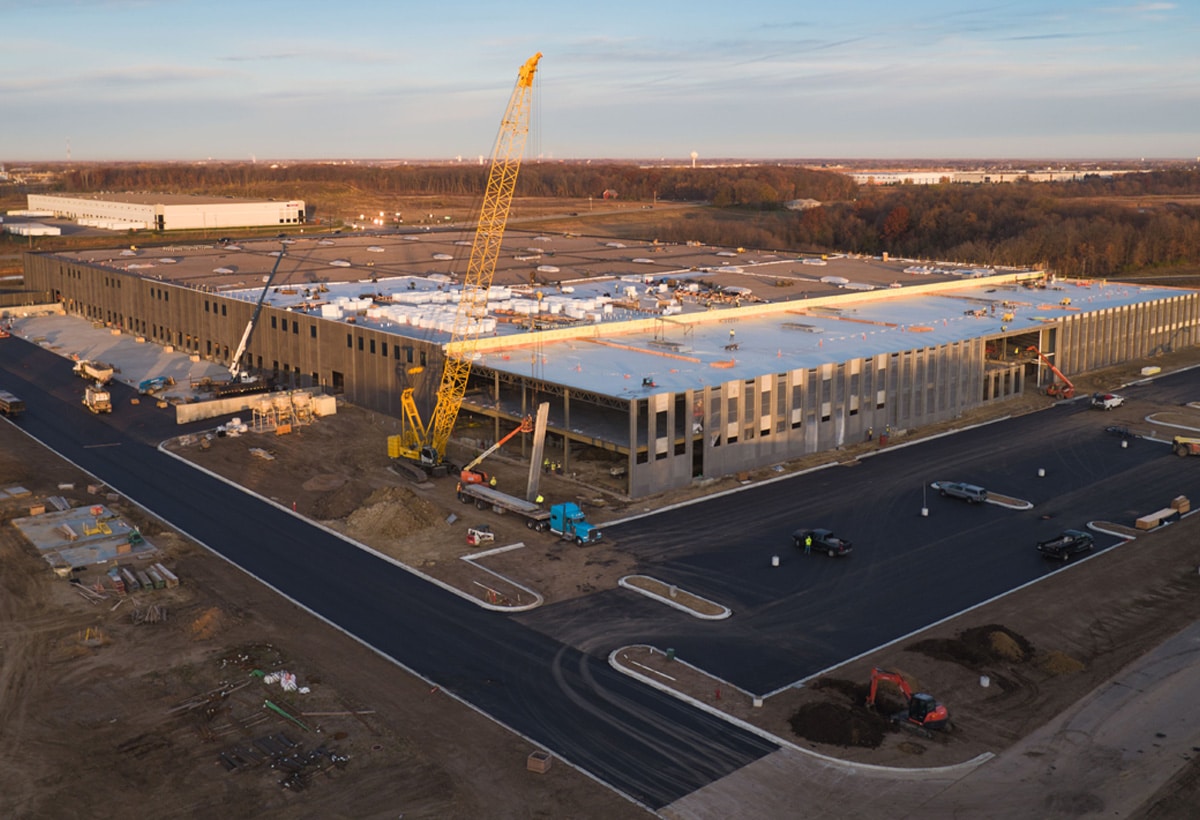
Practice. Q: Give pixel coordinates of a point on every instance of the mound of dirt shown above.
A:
(838, 725)
(323, 483)
(207, 625)
(340, 502)
(1060, 663)
(392, 512)
(977, 647)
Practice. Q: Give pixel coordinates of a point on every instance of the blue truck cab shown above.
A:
(569, 521)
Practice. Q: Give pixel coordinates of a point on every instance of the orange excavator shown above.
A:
(1066, 389)
(470, 475)
(923, 714)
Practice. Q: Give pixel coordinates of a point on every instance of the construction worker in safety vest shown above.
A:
(492, 481)
(808, 543)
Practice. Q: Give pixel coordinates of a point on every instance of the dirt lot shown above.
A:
(106, 711)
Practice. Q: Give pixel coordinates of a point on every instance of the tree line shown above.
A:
(757, 186)
(1095, 226)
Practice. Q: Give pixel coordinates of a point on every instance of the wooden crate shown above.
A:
(539, 762)
(1181, 504)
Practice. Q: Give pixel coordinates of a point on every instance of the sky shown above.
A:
(107, 80)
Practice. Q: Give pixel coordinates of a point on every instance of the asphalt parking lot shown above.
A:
(907, 570)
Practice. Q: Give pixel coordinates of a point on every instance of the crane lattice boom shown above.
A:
(485, 252)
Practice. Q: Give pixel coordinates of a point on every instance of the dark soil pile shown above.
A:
(838, 725)
(977, 647)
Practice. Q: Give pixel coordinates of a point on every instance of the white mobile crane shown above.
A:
(236, 373)
(423, 444)
(240, 382)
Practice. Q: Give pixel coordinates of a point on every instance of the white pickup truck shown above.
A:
(1107, 401)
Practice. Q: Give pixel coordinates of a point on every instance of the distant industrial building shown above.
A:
(901, 177)
(168, 212)
(669, 362)
(978, 176)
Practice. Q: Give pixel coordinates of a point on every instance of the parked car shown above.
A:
(1066, 544)
(971, 493)
(820, 540)
(1107, 401)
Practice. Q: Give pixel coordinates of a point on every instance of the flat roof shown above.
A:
(603, 315)
(164, 199)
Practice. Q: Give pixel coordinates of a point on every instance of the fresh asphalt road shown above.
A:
(647, 745)
(906, 571)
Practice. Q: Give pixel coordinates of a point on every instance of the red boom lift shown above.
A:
(470, 475)
(1066, 390)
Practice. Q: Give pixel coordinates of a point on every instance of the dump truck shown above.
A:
(97, 398)
(566, 520)
(10, 405)
(94, 371)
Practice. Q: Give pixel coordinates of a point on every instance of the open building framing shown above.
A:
(668, 363)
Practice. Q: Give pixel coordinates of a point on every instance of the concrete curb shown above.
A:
(725, 611)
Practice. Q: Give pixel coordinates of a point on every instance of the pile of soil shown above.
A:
(340, 502)
(839, 725)
(977, 647)
(392, 513)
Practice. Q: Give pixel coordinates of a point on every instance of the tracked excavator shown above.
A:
(923, 714)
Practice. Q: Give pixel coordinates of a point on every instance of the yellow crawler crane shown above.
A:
(426, 445)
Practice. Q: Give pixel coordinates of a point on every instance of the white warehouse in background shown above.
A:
(169, 212)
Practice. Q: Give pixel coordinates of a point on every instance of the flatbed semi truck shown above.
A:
(566, 520)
